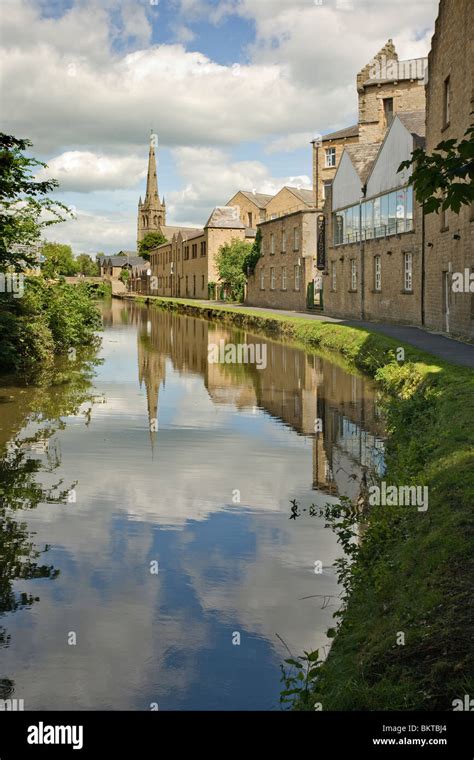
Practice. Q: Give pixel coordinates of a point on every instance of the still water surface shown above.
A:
(187, 467)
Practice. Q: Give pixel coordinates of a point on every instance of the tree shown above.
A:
(250, 260)
(444, 180)
(230, 266)
(24, 208)
(59, 260)
(86, 266)
(151, 240)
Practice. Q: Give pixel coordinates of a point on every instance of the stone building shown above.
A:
(287, 262)
(385, 87)
(449, 291)
(255, 208)
(374, 230)
(252, 206)
(185, 265)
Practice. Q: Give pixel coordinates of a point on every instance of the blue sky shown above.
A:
(234, 89)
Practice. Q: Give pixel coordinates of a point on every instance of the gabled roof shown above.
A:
(168, 231)
(362, 158)
(341, 134)
(307, 196)
(415, 122)
(120, 261)
(260, 199)
(227, 217)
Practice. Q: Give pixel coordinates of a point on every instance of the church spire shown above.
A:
(152, 181)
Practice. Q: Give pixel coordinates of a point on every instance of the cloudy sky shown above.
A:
(234, 89)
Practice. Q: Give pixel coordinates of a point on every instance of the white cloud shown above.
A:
(212, 178)
(288, 143)
(91, 233)
(84, 171)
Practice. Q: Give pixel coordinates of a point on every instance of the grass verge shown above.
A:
(414, 572)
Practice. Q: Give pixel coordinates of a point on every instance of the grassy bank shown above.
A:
(414, 571)
(43, 321)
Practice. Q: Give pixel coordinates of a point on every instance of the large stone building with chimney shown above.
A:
(385, 87)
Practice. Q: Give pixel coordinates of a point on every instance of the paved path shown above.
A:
(454, 351)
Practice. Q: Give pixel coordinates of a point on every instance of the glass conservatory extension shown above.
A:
(388, 214)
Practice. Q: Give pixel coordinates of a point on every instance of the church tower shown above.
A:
(151, 212)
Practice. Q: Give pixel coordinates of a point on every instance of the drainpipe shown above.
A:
(317, 177)
(362, 256)
(423, 273)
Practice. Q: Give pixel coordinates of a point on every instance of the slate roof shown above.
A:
(260, 199)
(225, 217)
(168, 231)
(307, 196)
(352, 131)
(415, 122)
(120, 261)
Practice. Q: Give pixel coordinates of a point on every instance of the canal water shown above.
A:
(147, 556)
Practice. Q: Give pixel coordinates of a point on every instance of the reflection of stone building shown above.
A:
(296, 388)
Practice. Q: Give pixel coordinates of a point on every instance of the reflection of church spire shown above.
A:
(152, 371)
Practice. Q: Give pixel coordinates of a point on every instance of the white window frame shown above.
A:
(262, 279)
(283, 278)
(353, 274)
(296, 238)
(408, 272)
(333, 277)
(272, 243)
(272, 278)
(283, 241)
(330, 158)
(378, 273)
(297, 277)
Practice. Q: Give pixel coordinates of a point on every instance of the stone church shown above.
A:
(151, 211)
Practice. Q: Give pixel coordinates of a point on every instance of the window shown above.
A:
(202, 282)
(330, 157)
(377, 216)
(384, 214)
(447, 102)
(203, 248)
(194, 250)
(272, 278)
(392, 213)
(338, 229)
(283, 241)
(272, 243)
(296, 239)
(408, 271)
(262, 279)
(186, 255)
(283, 278)
(326, 185)
(333, 276)
(353, 274)
(297, 276)
(194, 283)
(388, 110)
(387, 214)
(377, 273)
(409, 208)
(250, 218)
